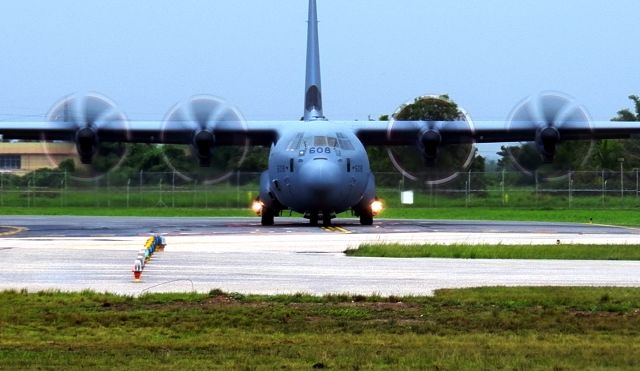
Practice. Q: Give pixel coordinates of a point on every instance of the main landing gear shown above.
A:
(267, 214)
(267, 217)
(366, 217)
(367, 212)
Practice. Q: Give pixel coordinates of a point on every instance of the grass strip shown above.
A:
(124, 212)
(486, 328)
(624, 217)
(461, 251)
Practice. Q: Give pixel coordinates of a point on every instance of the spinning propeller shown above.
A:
(88, 113)
(431, 161)
(549, 112)
(202, 115)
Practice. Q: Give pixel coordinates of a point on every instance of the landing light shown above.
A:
(377, 207)
(257, 206)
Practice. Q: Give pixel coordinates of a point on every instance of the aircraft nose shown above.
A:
(320, 178)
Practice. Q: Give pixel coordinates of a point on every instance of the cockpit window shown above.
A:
(320, 141)
(323, 141)
(345, 143)
(340, 141)
(295, 143)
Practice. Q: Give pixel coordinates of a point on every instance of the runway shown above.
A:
(84, 226)
(236, 254)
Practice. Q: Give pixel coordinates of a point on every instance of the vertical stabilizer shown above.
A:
(313, 86)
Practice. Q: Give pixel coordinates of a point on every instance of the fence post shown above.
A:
(128, 191)
(604, 188)
(431, 195)
(97, 192)
(535, 177)
(621, 181)
(637, 181)
(33, 186)
(140, 195)
(570, 188)
(66, 186)
(466, 196)
(238, 188)
(206, 196)
(195, 192)
(161, 199)
(108, 198)
(502, 188)
(62, 193)
(2, 189)
(29, 193)
(173, 190)
(469, 190)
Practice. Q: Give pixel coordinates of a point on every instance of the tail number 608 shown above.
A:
(319, 150)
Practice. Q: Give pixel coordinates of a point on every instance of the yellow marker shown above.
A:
(343, 230)
(12, 231)
(336, 229)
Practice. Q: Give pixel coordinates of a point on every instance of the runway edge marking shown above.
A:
(13, 230)
(336, 230)
(614, 226)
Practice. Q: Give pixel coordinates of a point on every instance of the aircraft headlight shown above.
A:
(377, 207)
(257, 206)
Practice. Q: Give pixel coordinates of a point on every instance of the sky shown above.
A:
(487, 55)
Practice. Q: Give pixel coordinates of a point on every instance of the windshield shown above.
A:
(340, 141)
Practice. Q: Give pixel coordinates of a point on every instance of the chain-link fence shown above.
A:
(592, 189)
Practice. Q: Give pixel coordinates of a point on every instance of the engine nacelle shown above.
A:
(429, 144)
(547, 141)
(203, 143)
(86, 144)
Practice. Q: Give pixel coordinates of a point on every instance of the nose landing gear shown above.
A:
(326, 219)
(314, 218)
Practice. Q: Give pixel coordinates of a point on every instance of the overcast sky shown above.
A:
(487, 55)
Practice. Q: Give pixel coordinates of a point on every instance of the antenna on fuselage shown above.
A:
(313, 85)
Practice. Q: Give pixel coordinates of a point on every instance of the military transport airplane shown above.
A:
(316, 167)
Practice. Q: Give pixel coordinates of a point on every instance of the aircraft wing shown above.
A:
(460, 132)
(266, 132)
(40, 130)
(226, 133)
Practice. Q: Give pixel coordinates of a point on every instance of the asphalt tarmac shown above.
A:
(238, 255)
(82, 226)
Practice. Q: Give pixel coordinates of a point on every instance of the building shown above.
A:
(23, 157)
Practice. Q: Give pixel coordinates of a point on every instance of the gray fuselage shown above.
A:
(321, 168)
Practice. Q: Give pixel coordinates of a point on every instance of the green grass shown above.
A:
(148, 212)
(488, 328)
(624, 217)
(567, 252)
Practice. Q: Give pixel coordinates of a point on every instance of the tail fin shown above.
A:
(313, 86)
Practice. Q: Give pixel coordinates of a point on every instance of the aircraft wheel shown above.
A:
(267, 217)
(313, 219)
(326, 220)
(366, 218)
